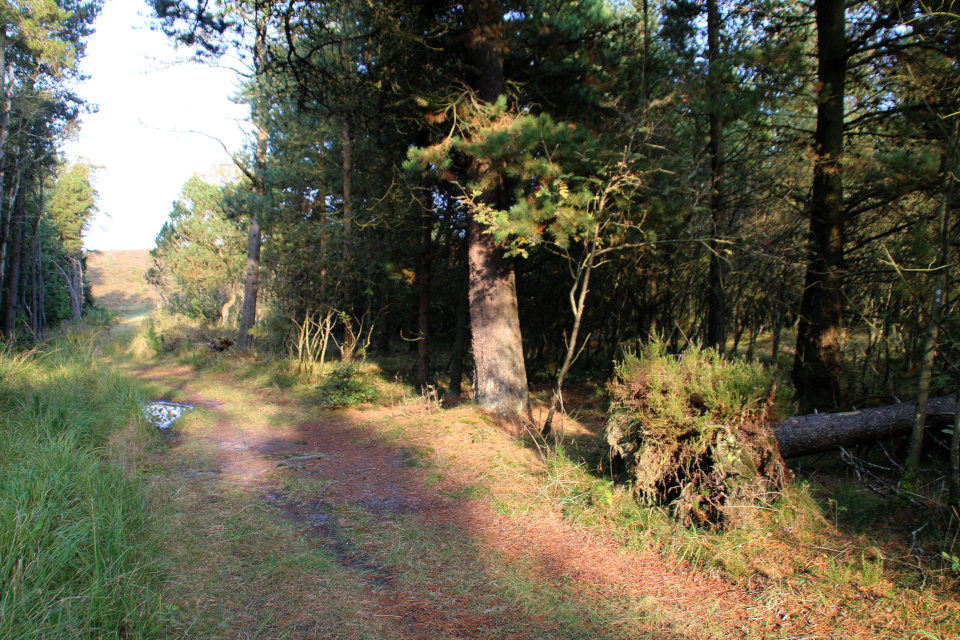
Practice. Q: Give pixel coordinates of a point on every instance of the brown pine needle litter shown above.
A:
(409, 521)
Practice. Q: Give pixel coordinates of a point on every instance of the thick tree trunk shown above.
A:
(716, 296)
(251, 285)
(817, 367)
(820, 432)
(500, 379)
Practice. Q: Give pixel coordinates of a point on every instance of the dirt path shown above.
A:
(416, 555)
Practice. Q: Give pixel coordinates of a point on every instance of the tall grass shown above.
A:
(76, 549)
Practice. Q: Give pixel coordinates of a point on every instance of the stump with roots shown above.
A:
(692, 433)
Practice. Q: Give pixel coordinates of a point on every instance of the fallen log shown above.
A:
(821, 432)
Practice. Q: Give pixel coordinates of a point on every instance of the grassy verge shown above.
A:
(77, 554)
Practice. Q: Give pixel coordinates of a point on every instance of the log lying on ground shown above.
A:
(818, 433)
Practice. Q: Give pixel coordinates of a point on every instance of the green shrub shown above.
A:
(346, 386)
(153, 339)
(692, 431)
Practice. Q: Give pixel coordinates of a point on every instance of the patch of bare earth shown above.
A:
(425, 489)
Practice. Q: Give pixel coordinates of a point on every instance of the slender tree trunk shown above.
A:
(577, 305)
(716, 296)
(954, 495)
(225, 310)
(35, 265)
(500, 380)
(12, 293)
(912, 465)
(251, 282)
(817, 366)
(460, 343)
(6, 68)
(423, 321)
(78, 283)
(778, 320)
(349, 338)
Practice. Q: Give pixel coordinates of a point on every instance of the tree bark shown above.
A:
(423, 320)
(933, 324)
(954, 489)
(225, 309)
(5, 232)
(500, 378)
(821, 432)
(817, 366)
(460, 344)
(349, 339)
(7, 80)
(12, 293)
(251, 285)
(251, 282)
(716, 297)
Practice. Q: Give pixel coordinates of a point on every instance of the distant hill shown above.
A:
(117, 281)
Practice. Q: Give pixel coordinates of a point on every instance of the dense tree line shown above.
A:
(532, 186)
(46, 202)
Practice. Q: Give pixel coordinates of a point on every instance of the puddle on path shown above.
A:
(162, 414)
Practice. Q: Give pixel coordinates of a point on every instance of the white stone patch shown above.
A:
(163, 414)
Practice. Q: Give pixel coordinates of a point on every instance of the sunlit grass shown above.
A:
(77, 549)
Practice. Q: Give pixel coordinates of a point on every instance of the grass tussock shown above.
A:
(76, 547)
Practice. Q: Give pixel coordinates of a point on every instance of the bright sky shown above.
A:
(139, 137)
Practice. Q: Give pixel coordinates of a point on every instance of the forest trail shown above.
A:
(390, 541)
(284, 519)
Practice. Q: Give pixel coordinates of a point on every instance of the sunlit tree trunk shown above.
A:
(500, 379)
(251, 281)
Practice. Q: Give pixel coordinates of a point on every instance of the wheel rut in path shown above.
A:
(361, 474)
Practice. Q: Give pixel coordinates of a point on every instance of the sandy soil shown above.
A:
(116, 279)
